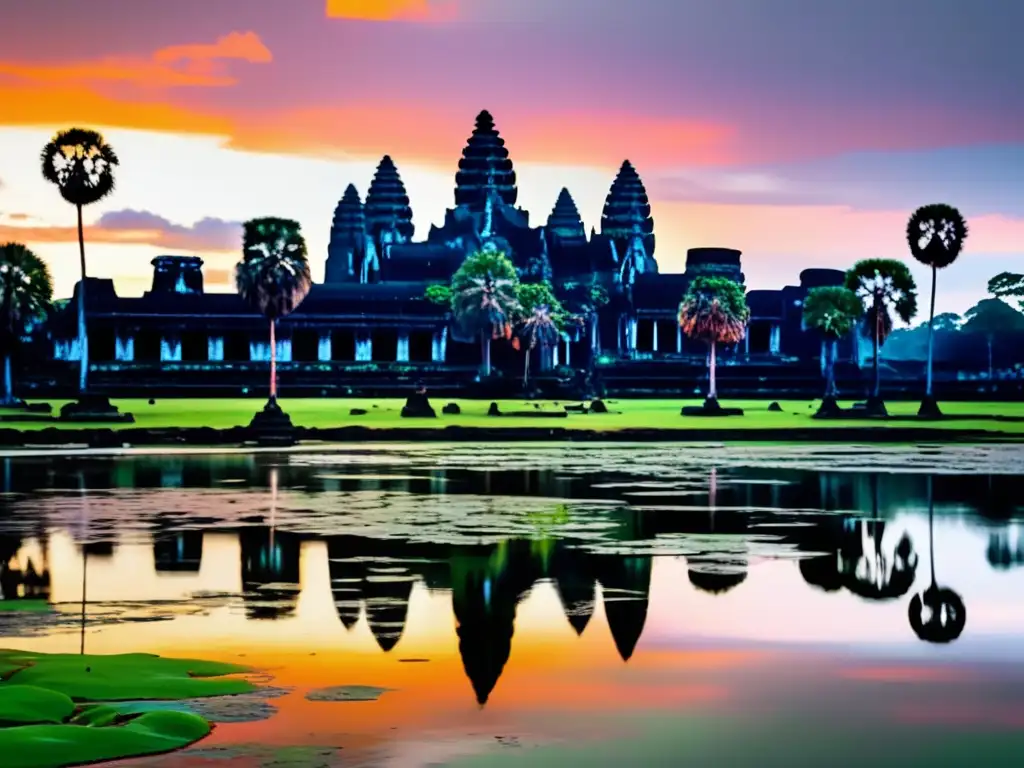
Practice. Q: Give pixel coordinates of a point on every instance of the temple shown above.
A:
(369, 327)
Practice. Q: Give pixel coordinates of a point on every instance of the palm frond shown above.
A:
(832, 310)
(936, 234)
(714, 309)
(887, 281)
(273, 276)
(484, 295)
(26, 290)
(81, 164)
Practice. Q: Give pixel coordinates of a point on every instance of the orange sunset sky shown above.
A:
(803, 133)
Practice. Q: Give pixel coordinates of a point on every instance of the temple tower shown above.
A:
(348, 245)
(484, 157)
(625, 206)
(388, 215)
(565, 220)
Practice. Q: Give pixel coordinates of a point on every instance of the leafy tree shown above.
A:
(81, 164)
(947, 321)
(25, 293)
(484, 300)
(439, 294)
(885, 286)
(834, 312)
(714, 310)
(992, 318)
(273, 275)
(936, 235)
(1007, 285)
(541, 319)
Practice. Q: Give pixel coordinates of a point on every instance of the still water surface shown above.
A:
(550, 605)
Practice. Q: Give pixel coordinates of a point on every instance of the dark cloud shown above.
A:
(208, 234)
(138, 228)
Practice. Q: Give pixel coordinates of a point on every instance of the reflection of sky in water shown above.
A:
(771, 640)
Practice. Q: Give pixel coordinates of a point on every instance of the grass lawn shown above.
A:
(626, 414)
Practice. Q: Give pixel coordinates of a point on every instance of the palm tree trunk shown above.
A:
(273, 362)
(931, 337)
(526, 368)
(8, 385)
(712, 387)
(991, 367)
(485, 353)
(877, 344)
(83, 336)
(833, 353)
(830, 372)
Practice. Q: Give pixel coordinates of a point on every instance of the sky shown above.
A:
(802, 132)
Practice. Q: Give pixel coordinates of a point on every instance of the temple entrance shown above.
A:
(195, 347)
(102, 345)
(343, 346)
(644, 335)
(236, 347)
(305, 346)
(421, 346)
(462, 353)
(760, 334)
(147, 347)
(384, 345)
(668, 336)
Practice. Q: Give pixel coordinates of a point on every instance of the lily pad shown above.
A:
(96, 716)
(124, 677)
(347, 693)
(54, 746)
(27, 704)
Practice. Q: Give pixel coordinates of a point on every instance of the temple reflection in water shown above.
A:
(720, 521)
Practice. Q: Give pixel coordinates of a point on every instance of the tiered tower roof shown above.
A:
(349, 216)
(565, 220)
(485, 165)
(626, 206)
(387, 204)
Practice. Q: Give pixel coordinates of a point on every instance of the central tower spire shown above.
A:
(485, 157)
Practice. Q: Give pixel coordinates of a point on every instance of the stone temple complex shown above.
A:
(368, 327)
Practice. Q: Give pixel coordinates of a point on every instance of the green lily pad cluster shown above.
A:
(49, 715)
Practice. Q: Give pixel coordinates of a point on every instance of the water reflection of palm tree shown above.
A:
(937, 615)
(1001, 553)
(270, 566)
(868, 571)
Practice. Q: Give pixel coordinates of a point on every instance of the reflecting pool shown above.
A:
(548, 605)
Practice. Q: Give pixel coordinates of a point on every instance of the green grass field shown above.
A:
(626, 414)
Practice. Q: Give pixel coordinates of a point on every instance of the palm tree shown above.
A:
(81, 163)
(946, 612)
(273, 275)
(540, 321)
(834, 311)
(714, 310)
(936, 235)
(885, 286)
(25, 294)
(484, 300)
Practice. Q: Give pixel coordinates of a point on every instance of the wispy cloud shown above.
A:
(195, 64)
(393, 10)
(137, 228)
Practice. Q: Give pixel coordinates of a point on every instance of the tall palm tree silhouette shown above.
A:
(937, 615)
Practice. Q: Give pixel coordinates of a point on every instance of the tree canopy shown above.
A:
(936, 234)
(484, 294)
(993, 317)
(1007, 285)
(273, 276)
(714, 309)
(26, 290)
(832, 310)
(885, 286)
(81, 164)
